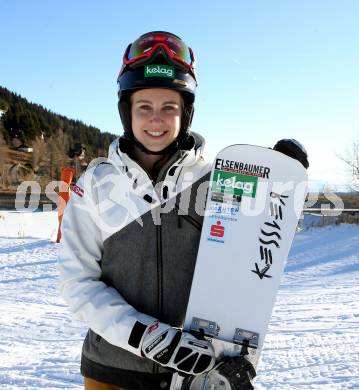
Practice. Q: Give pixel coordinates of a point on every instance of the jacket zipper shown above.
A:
(159, 279)
(188, 218)
(159, 270)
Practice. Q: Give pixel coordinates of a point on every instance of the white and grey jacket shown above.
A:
(129, 248)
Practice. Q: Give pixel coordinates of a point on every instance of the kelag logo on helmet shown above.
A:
(160, 71)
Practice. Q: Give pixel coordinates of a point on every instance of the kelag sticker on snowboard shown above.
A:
(234, 179)
(229, 187)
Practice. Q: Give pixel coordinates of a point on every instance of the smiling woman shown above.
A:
(130, 283)
(156, 121)
(131, 233)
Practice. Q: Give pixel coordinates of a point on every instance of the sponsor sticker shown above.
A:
(156, 342)
(217, 232)
(242, 167)
(153, 327)
(223, 211)
(78, 190)
(160, 71)
(229, 187)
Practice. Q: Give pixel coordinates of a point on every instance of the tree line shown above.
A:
(27, 121)
(54, 139)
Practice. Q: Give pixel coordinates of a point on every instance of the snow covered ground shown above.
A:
(313, 342)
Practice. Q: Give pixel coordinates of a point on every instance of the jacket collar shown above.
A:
(181, 158)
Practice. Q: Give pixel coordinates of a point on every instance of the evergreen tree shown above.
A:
(28, 121)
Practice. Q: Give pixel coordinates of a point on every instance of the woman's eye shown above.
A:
(145, 107)
(169, 108)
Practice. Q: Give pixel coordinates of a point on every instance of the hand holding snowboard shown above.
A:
(294, 149)
(179, 350)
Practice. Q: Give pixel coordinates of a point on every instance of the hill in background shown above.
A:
(36, 143)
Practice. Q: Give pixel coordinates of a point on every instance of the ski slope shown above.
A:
(313, 341)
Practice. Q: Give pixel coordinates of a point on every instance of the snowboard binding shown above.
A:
(231, 373)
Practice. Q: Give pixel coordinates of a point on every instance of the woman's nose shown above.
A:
(156, 116)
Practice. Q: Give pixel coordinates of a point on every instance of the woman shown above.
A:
(131, 229)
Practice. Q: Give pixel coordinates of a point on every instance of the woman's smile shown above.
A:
(156, 117)
(155, 134)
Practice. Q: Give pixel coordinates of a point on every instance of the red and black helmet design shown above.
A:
(157, 48)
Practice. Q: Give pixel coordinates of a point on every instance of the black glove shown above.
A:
(179, 350)
(294, 149)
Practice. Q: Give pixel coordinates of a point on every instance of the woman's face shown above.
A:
(156, 117)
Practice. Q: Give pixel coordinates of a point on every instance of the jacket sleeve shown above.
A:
(101, 307)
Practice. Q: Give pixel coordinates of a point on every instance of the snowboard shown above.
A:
(255, 199)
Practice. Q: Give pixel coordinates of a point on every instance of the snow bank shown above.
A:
(15, 224)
